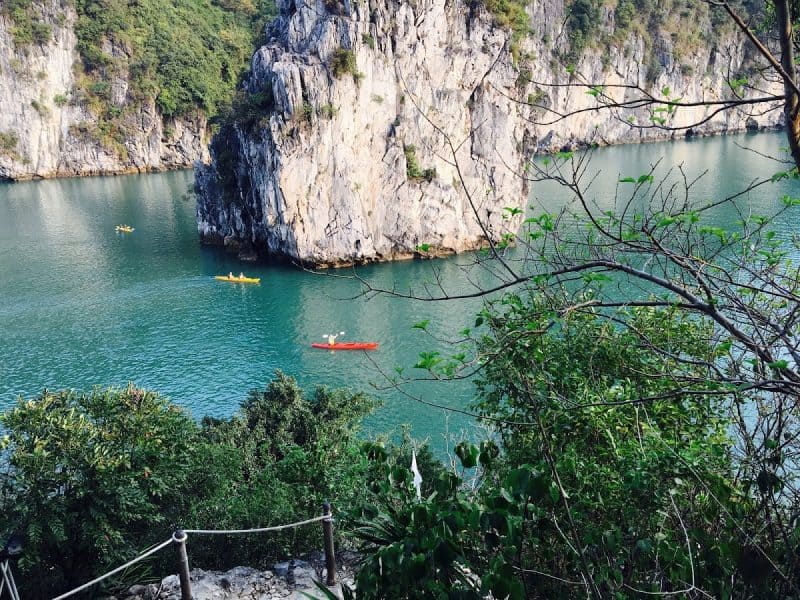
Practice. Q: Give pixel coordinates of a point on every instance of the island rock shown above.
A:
(377, 130)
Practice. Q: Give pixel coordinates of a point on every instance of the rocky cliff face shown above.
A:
(46, 130)
(383, 129)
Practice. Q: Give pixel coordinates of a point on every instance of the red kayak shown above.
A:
(346, 345)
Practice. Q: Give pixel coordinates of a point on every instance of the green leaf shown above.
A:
(421, 325)
(468, 454)
(555, 495)
(666, 221)
(778, 364)
(428, 360)
(488, 452)
(779, 175)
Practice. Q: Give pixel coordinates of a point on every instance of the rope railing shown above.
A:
(131, 562)
(180, 536)
(258, 530)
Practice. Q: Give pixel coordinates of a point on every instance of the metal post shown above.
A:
(8, 579)
(327, 534)
(179, 538)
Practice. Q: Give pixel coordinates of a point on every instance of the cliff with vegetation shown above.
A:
(384, 129)
(89, 87)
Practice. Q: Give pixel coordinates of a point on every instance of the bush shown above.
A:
(184, 55)
(292, 451)
(453, 542)
(637, 436)
(413, 170)
(342, 61)
(8, 142)
(94, 479)
(510, 15)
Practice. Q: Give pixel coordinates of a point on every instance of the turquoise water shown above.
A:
(82, 305)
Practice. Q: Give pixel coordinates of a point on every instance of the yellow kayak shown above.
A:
(235, 279)
(124, 228)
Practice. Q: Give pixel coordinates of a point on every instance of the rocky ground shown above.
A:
(292, 579)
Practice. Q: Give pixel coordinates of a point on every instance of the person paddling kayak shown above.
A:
(331, 337)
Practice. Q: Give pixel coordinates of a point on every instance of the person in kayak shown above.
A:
(332, 337)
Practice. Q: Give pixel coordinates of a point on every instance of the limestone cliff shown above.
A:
(46, 130)
(382, 129)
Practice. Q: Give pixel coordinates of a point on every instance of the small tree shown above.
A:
(94, 478)
(284, 453)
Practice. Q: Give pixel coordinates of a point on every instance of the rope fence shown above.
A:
(179, 537)
(259, 530)
(97, 580)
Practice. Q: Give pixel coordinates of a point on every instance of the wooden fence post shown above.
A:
(327, 534)
(179, 537)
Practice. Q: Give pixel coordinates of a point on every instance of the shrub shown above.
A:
(342, 61)
(41, 33)
(636, 434)
(252, 110)
(39, 107)
(293, 451)
(510, 15)
(413, 170)
(8, 142)
(94, 477)
(328, 111)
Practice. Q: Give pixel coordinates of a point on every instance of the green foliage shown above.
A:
(276, 462)
(29, 27)
(251, 111)
(510, 15)
(8, 143)
(328, 111)
(413, 170)
(638, 438)
(583, 20)
(39, 107)
(306, 112)
(453, 543)
(92, 477)
(342, 61)
(186, 55)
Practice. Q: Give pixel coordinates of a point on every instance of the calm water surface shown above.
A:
(81, 305)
